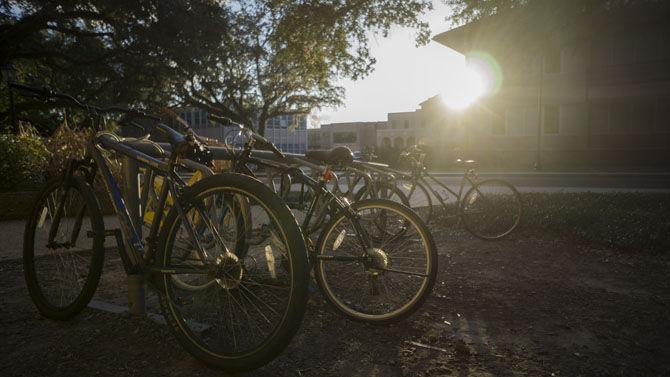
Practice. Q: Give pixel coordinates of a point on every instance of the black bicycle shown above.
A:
(374, 259)
(232, 310)
(490, 209)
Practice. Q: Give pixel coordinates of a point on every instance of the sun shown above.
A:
(463, 89)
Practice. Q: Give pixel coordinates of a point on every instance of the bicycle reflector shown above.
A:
(328, 175)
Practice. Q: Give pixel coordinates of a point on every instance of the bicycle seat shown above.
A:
(144, 145)
(335, 156)
(465, 162)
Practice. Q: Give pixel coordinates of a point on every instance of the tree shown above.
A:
(249, 60)
(285, 57)
(107, 51)
(464, 11)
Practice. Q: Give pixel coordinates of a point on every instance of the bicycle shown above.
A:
(374, 259)
(223, 308)
(489, 209)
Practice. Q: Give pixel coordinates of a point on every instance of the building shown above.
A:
(591, 90)
(432, 124)
(288, 132)
(358, 136)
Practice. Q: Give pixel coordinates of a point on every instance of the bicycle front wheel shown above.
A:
(63, 248)
(419, 200)
(232, 311)
(491, 209)
(390, 277)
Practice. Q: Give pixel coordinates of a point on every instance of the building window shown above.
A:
(406, 123)
(642, 116)
(663, 115)
(599, 118)
(344, 137)
(552, 62)
(196, 119)
(551, 119)
(498, 124)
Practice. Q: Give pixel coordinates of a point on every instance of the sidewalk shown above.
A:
(443, 173)
(11, 237)
(11, 234)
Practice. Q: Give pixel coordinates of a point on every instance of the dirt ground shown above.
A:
(524, 306)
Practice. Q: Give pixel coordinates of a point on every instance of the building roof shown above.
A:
(532, 26)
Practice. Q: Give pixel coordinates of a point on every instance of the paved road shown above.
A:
(575, 182)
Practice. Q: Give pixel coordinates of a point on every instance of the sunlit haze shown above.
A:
(405, 76)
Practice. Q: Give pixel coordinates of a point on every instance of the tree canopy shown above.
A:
(284, 57)
(464, 11)
(249, 60)
(108, 51)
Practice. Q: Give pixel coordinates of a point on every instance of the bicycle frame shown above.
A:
(135, 256)
(320, 190)
(420, 177)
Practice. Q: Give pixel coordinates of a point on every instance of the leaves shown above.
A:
(249, 60)
(286, 57)
(23, 159)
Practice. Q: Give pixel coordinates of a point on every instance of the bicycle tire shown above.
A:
(36, 281)
(297, 263)
(492, 219)
(344, 306)
(382, 191)
(425, 212)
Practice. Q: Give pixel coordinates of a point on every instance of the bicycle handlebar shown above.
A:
(176, 139)
(45, 92)
(257, 138)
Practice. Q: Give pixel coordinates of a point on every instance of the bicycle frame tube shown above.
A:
(135, 251)
(317, 186)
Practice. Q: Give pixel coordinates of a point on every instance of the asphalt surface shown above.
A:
(574, 182)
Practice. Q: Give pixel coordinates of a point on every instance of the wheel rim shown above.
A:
(368, 292)
(491, 209)
(235, 310)
(62, 269)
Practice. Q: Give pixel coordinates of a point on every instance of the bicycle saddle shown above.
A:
(335, 156)
(144, 145)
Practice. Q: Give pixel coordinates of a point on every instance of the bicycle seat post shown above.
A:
(131, 191)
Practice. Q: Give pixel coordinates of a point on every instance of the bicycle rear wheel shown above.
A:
(387, 281)
(491, 209)
(63, 274)
(233, 312)
(382, 191)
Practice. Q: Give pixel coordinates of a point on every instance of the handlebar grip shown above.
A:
(268, 145)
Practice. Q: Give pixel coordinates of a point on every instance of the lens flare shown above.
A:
(464, 89)
(488, 69)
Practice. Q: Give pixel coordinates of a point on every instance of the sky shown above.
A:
(404, 75)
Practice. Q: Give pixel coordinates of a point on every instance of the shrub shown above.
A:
(623, 221)
(64, 145)
(23, 159)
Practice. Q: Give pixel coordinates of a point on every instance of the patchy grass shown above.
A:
(623, 221)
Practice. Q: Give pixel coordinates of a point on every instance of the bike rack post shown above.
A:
(131, 191)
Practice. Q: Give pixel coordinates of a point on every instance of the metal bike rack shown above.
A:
(131, 192)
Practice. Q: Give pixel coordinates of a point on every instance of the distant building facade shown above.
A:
(432, 124)
(589, 91)
(288, 132)
(358, 136)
